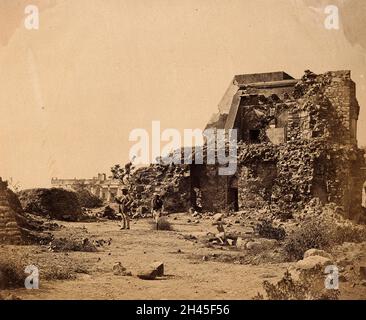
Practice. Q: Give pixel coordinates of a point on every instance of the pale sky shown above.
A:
(72, 90)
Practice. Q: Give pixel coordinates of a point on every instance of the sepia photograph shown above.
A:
(170, 150)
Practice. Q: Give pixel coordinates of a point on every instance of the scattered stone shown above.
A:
(218, 216)
(261, 244)
(159, 267)
(317, 252)
(154, 270)
(147, 275)
(119, 270)
(312, 262)
(240, 243)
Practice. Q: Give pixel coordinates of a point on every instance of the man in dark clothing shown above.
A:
(124, 203)
(157, 208)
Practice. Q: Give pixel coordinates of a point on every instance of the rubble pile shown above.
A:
(108, 212)
(171, 181)
(52, 203)
(66, 244)
(88, 200)
(16, 226)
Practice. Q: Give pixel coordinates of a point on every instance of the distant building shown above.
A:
(103, 188)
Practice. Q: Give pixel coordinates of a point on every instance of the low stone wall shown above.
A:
(9, 229)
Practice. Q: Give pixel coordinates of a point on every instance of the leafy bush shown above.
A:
(58, 273)
(11, 274)
(310, 286)
(163, 224)
(63, 244)
(87, 199)
(266, 230)
(348, 233)
(312, 234)
(322, 232)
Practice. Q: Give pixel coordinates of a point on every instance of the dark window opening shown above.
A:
(233, 200)
(254, 136)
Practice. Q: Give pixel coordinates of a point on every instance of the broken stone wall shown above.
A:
(328, 104)
(9, 229)
(255, 184)
(172, 182)
(276, 175)
(212, 186)
(341, 92)
(345, 179)
(288, 176)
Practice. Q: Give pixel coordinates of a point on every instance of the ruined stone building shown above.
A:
(297, 140)
(102, 187)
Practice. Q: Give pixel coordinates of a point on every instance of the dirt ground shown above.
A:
(189, 273)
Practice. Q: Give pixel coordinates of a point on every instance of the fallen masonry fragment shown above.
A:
(152, 271)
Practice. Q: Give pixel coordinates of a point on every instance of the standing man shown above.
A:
(124, 203)
(157, 208)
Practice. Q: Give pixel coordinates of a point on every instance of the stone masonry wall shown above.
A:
(9, 229)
